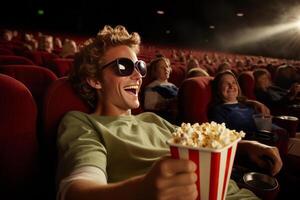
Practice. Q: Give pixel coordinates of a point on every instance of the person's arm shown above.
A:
(294, 91)
(168, 179)
(264, 156)
(258, 106)
(91, 173)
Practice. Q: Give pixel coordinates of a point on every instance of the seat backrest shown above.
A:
(18, 140)
(42, 58)
(14, 60)
(4, 51)
(246, 82)
(37, 79)
(62, 66)
(194, 97)
(177, 75)
(60, 98)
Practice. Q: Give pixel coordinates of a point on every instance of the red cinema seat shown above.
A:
(60, 99)
(36, 79)
(194, 97)
(14, 60)
(62, 66)
(177, 75)
(247, 84)
(18, 141)
(4, 51)
(43, 58)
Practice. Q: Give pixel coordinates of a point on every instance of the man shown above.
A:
(111, 154)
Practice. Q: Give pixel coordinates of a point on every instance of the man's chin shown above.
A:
(136, 106)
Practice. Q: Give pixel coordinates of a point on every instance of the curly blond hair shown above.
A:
(90, 58)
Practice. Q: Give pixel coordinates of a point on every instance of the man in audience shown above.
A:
(111, 154)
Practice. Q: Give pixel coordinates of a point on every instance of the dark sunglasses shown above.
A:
(125, 66)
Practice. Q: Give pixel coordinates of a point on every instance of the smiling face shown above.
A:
(263, 82)
(119, 93)
(228, 89)
(163, 71)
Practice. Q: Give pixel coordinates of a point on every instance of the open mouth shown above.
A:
(133, 89)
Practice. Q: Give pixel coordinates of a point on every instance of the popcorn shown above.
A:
(212, 147)
(208, 135)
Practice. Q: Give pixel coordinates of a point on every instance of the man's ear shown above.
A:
(94, 83)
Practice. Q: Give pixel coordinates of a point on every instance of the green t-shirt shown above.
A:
(121, 146)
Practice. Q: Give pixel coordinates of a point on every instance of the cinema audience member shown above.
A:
(160, 96)
(111, 154)
(272, 95)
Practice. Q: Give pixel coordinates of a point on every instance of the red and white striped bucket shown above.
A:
(214, 168)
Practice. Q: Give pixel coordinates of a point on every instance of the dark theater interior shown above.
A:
(214, 24)
(205, 69)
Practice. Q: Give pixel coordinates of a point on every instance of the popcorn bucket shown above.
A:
(214, 167)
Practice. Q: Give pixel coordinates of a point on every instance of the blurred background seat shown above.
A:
(4, 51)
(177, 75)
(246, 82)
(19, 166)
(14, 60)
(61, 66)
(194, 97)
(60, 99)
(37, 79)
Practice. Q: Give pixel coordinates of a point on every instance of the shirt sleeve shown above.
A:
(79, 145)
(84, 173)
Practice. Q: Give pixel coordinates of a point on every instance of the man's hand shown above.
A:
(171, 179)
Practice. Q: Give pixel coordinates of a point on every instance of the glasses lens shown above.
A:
(141, 67)
(125, 67)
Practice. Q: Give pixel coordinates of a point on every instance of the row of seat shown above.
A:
(29, 129)
(59, 66)
(19, 156)
(28, 162)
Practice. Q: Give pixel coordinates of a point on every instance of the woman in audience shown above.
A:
(57, 46)
(57, 43)
(286, 76)
(192, 63)
(69, 49)
(111, 154)
(223, 66)
(194, 69)
(271, 95)
(194, 72)
(30, 43)
(181, 57)
(230, 107)
(160, 96)
(7, 35)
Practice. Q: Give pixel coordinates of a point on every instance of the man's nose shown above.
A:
(136, 74)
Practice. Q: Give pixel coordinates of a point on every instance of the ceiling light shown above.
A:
(160, 12)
